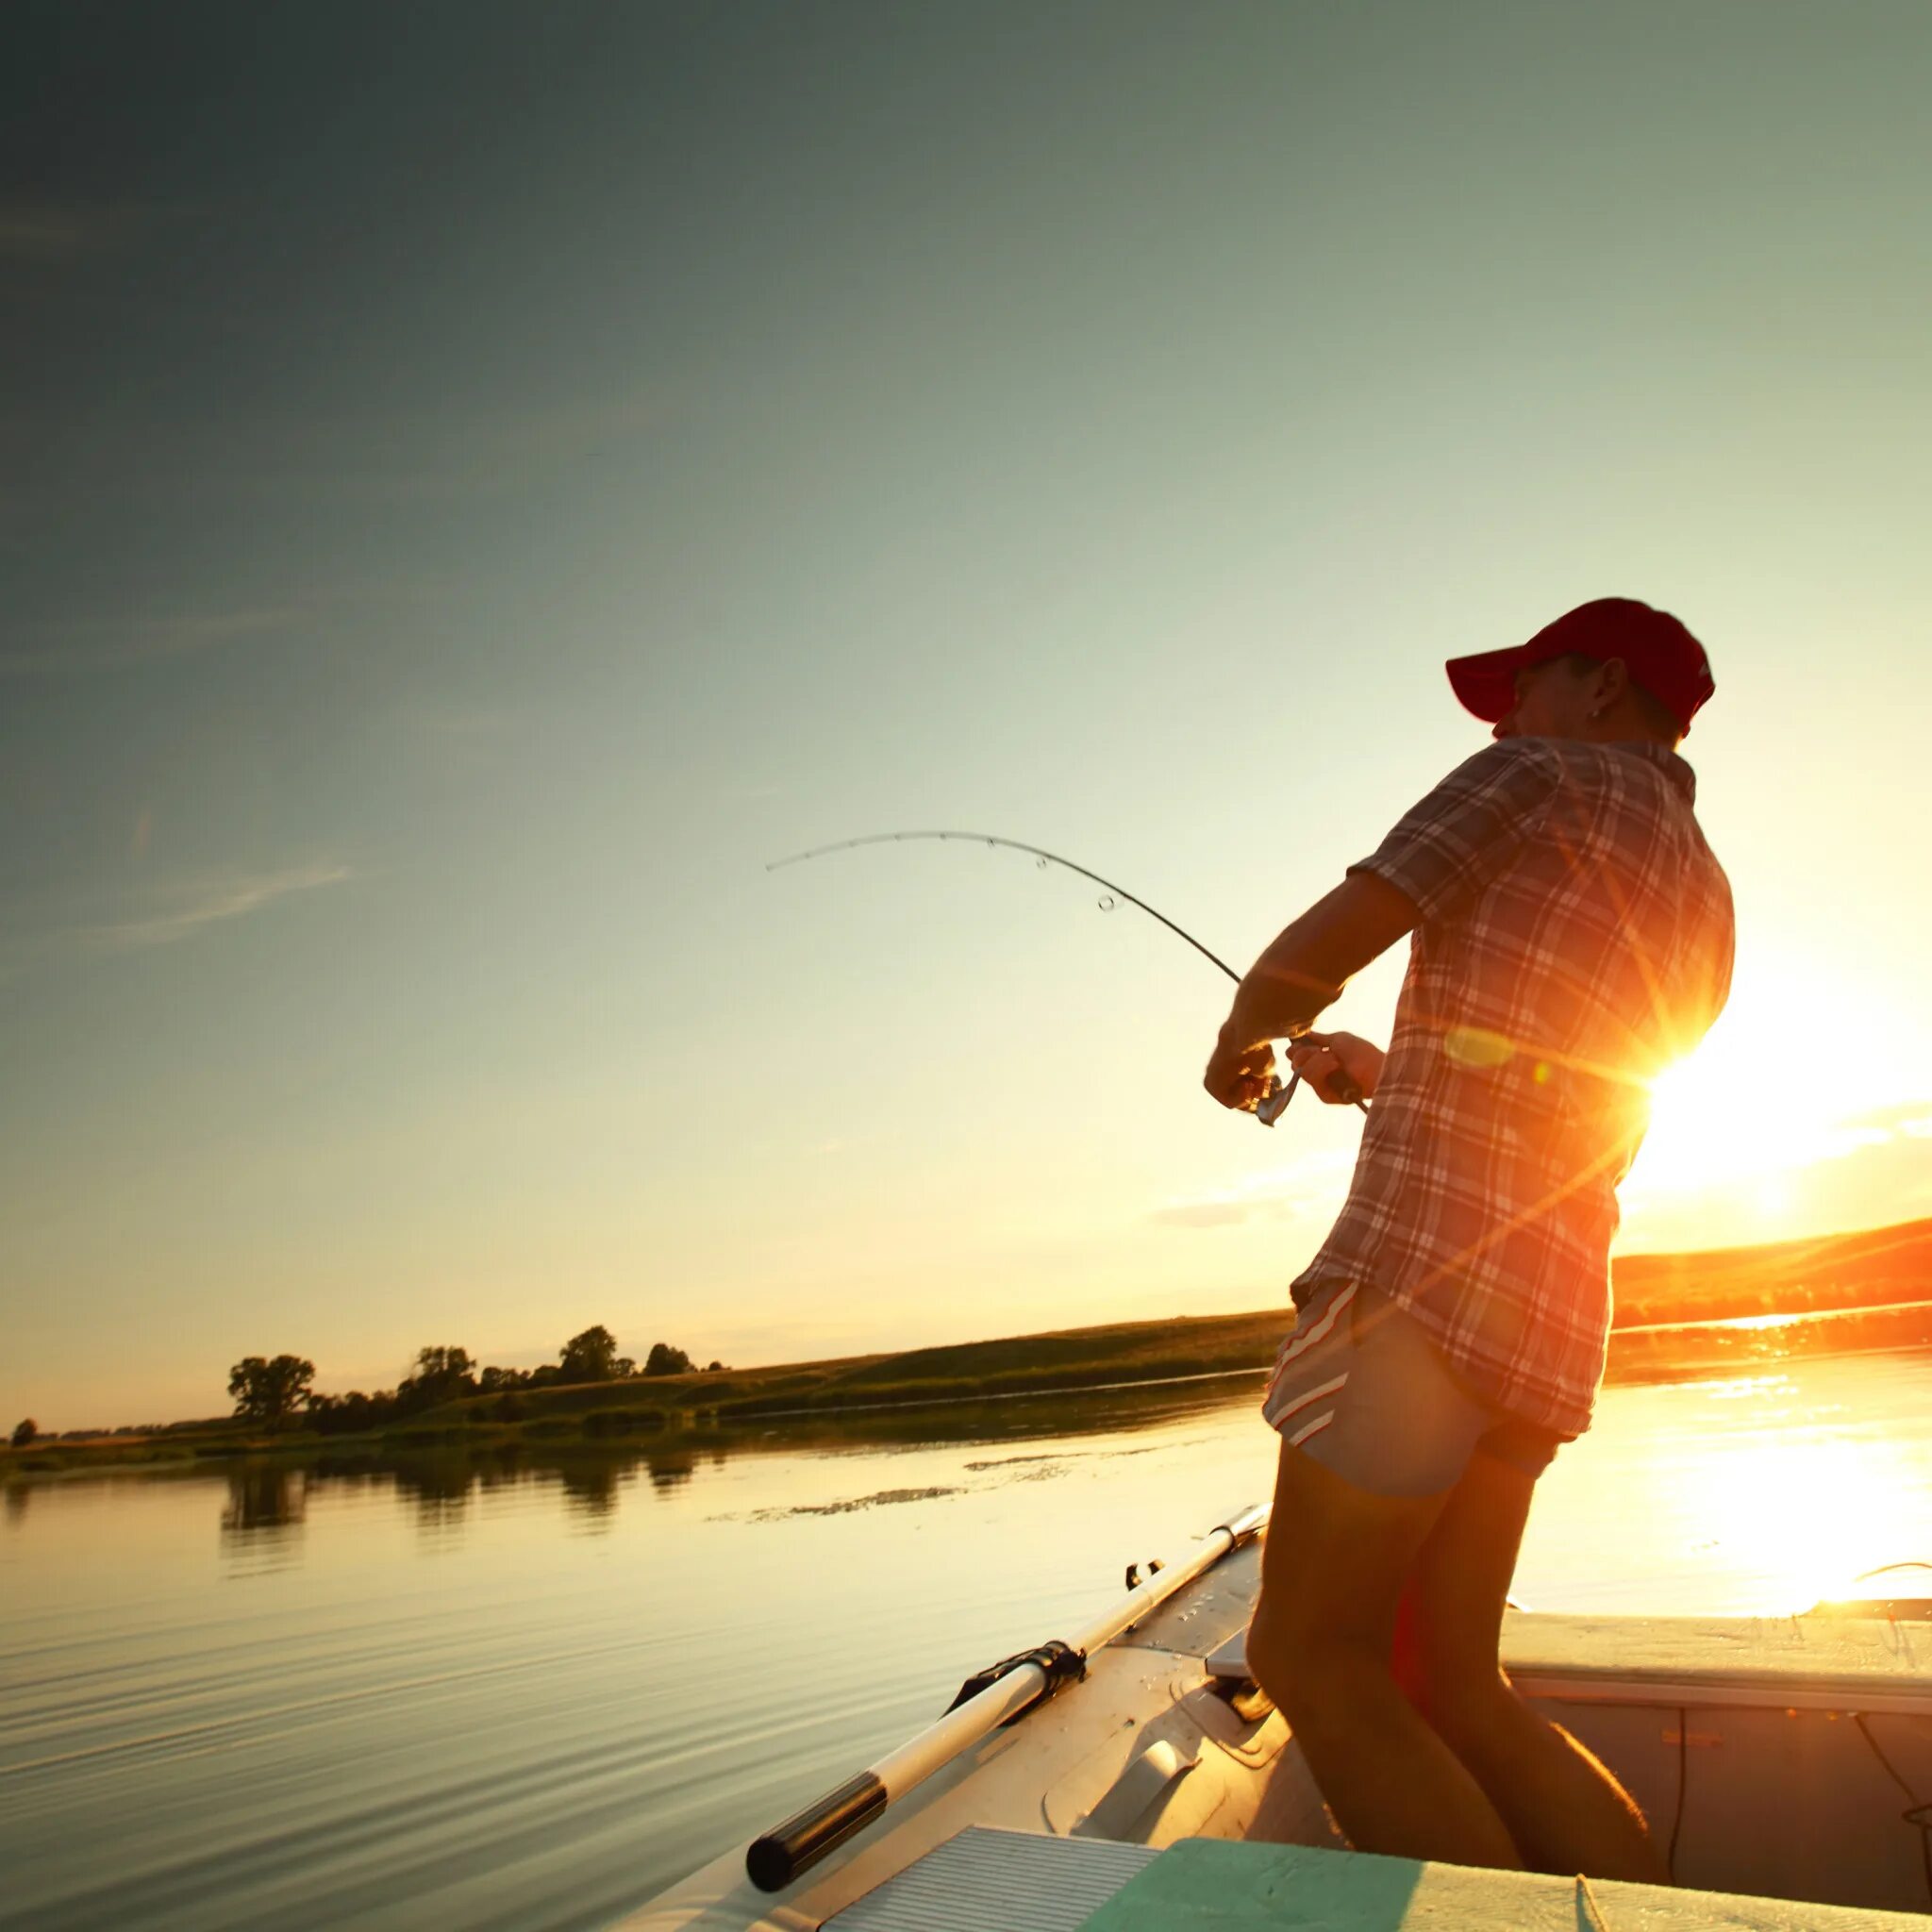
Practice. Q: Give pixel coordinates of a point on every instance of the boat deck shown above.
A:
(1773, 1755)
(1208, 1886)
(1006, 1881)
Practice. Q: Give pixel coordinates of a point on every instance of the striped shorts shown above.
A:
(1361, 1388)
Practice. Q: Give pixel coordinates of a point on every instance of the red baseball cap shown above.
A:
(1659, 653)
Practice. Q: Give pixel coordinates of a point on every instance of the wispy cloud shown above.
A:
(452, 452)
(1312, 1181)
(163, 914)
(212, 904)
(431, 454)
(1799, 1145)
(488, 451)
(80, 645)
(61, 232)
(1208, 1213)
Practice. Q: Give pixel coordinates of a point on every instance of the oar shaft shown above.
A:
(779, 1856)
(1163, 1583)
(979, 1716)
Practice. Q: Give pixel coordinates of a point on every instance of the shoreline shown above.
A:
(607, 1416)
(1676, 1316)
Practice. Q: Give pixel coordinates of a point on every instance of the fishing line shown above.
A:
(1917, 1812)
(1273, 1104)
(1683, 1777)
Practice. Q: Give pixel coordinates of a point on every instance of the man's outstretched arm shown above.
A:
(1303, 971)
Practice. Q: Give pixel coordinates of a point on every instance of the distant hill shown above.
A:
(1871, 1268)
(1068, 1359)
(1867, 1268)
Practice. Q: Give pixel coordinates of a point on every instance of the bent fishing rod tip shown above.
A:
(1272, 1103)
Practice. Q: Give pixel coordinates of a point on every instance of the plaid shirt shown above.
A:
(1575, 936)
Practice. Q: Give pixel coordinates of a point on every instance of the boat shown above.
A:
(1133, 1776)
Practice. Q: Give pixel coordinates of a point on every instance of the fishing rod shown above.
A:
(1273, 1104)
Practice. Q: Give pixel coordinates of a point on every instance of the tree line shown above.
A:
(270, 1390)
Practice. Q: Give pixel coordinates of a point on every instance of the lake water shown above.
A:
(515, 1693)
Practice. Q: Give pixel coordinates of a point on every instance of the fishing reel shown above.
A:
(1274, 1103)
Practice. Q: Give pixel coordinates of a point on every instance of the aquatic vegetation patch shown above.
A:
(846, 1505)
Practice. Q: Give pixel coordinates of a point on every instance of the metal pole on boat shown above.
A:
(778, 1857)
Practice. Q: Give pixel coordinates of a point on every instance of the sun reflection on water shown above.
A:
(1756, 1492)
(1805, 1510)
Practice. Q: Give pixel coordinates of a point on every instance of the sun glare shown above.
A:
(1802, 1512)
(1748, 1109)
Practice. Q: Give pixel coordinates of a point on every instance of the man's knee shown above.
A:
(1315, 1677)
(1286, 1643)
(1269, 1651)
(1470, 1708)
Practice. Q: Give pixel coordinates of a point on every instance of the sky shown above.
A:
(482, 482)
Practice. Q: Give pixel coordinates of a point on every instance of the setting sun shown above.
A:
(1749, 1125)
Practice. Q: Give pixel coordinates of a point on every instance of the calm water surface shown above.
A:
(463, 1694)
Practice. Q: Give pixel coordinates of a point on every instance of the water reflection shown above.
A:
(268, 1500)
(1675, 1351)
(1839, 1477)
(590, 1488)
(672, 1469)
(440, 1488)
(265, 1500)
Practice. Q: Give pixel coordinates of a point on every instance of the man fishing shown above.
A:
(1572, 935)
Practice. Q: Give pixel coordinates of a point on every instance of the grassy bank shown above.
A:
(1873, 1288)
(1069, 1361)
(1871, 1267)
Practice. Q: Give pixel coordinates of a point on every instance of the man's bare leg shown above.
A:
(1332, 1574)
(1563, 1808)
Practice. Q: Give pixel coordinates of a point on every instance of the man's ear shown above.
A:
(1613, 680)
